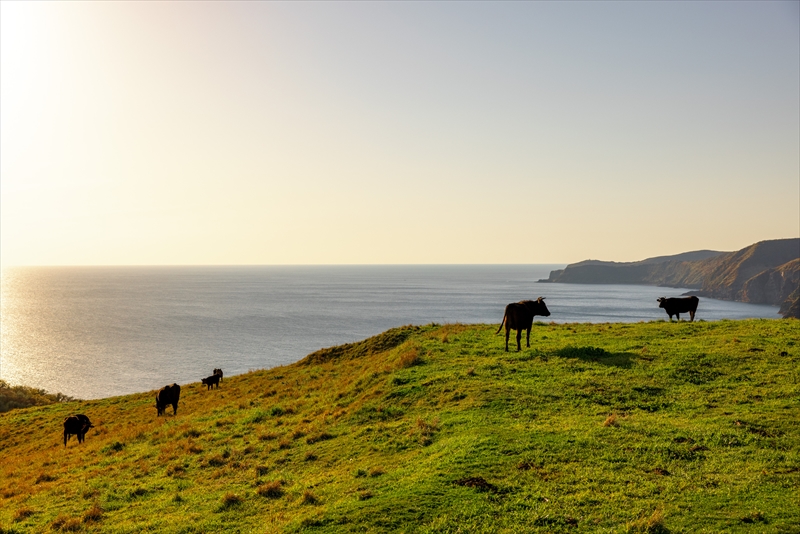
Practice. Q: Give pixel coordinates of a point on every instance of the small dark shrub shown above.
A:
(755, 517)
(478, 483)
(310, 498)
(114, 447)
(138, 492)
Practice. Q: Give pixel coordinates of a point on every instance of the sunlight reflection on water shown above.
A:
(94, 332)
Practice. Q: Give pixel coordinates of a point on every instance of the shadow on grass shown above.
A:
(598, 355)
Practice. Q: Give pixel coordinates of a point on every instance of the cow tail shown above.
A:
(501, 324)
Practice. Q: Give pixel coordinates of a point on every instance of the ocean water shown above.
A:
(93, 332)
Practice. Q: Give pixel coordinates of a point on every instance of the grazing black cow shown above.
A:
(211, 381)
(166, 396)
(676, 307)
(218, 372)
(77, 425)
(519, 317)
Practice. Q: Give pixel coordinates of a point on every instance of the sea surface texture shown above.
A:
(93, 332)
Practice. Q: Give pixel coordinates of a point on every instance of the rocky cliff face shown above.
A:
(677, 271)
(773, 285)
(767, 272)
(729, 273)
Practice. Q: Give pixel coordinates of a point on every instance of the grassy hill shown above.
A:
(649, 427)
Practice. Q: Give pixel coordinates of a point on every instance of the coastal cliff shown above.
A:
(767, 272)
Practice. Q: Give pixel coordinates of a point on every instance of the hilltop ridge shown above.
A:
(767, 272)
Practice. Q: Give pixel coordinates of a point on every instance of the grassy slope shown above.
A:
(659, 427)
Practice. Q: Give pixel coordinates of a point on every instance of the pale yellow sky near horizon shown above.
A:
(221, 133)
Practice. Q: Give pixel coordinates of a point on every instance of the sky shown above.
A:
(226, 133)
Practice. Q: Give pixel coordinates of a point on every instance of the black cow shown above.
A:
(166, 396)
(218, 372)
(676, 307)
(77, 425)
(211, 381)
(519, 317)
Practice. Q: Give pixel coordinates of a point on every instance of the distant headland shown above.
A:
(767, 272)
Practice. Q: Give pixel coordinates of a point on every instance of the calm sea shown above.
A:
(94, 332)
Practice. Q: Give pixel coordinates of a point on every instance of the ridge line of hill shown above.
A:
(767, 272)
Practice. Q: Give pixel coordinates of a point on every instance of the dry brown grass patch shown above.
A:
(310, 498)
(175, 470)
(65, 523)
(611, 420)
(93, 514)
(231, 499)
(45, 477)
(271, 490)
(23, 513)
(649, 525)
(322, 436)
(409, 358)
(376, 472)
(425, 430)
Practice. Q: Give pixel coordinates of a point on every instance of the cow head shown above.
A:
(543, 311)
(661, 302)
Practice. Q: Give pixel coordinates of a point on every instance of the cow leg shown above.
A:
(678, 316)
(507, 332)
(175, 409)
(66, 437)
(519, 338)
(691, 314)
(528, 338)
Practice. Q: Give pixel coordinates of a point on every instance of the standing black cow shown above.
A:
(166, 396)
(211, 381)
(218, 372)
(77, 425)
(519, 317)
(676, 307)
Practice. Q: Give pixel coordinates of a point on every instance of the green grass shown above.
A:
(651, 427)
